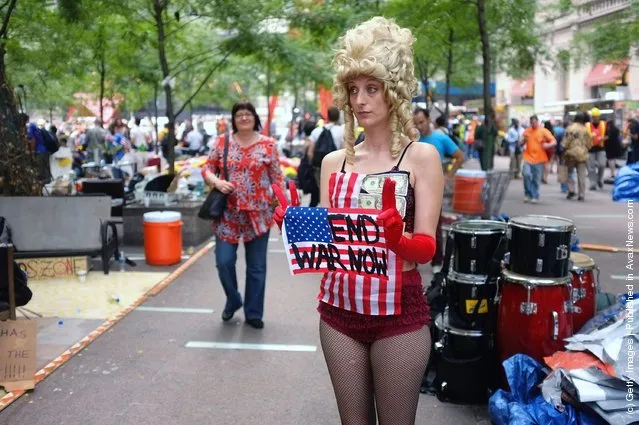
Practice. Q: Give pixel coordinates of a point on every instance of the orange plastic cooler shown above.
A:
(162, 238)
(467, 191)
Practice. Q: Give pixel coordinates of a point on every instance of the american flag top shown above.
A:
(348, 247)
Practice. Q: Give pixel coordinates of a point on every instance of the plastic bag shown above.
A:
(626, 184)
(607, 316)
(524, 404)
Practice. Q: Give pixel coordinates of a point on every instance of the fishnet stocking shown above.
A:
(399, 363)
(388, 372)
(349, 366)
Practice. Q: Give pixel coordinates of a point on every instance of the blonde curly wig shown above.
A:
(378, 48)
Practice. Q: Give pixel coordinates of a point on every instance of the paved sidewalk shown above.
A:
(143, 371)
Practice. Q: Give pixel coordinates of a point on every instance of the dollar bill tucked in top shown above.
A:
(373, 201)
(373, 183)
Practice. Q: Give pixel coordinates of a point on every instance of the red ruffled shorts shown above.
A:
(368, 329)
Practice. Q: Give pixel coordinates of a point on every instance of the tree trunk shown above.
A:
(449, 70)
(489, 122)
(102, 70)
(158, 7)
(17, 165)
(485, 52)
(268, 99)
(155, 112)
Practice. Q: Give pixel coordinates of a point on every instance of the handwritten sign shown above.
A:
(17, 354)
(349, 247)
(321, 240)
(47, 268)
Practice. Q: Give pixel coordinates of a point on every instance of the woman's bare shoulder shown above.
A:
(333, 160)
(423, 152)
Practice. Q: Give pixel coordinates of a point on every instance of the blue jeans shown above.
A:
(226, 258)
(532, 179)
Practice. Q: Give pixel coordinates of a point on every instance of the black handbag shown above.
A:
(215, 203)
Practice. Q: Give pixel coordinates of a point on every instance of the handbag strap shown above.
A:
(226, 154)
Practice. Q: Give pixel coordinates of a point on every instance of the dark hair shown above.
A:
(441, 121)
(309, 126)
(245, 106)
(612, 125)
(137, 121)
(580, 118)
(423, 111)
(548, 126)
(53, 129)
(534, 117)
(333, 114)
(514, 122)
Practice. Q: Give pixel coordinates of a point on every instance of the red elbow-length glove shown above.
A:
(420, 248)
(280, 210)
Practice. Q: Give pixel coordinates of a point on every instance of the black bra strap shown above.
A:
(396, 167)
(344, 165)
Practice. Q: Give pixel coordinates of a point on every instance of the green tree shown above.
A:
(444, 45)
(611, 39)
(23, 30)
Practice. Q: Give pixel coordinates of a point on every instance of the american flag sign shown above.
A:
(348, 247)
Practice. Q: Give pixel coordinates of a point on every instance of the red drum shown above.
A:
(584, 289)
(533, 316)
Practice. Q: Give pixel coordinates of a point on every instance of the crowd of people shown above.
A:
(579, 152)
(77, 146)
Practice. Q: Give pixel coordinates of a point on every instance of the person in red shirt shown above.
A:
(253, 166)
(536, 140)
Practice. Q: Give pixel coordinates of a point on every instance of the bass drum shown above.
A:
(534, 315)
(540, 245)
(475, 244)
(465, 363)
(471, 301)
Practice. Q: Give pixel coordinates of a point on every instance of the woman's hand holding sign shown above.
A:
(420, 248)
(280, 210)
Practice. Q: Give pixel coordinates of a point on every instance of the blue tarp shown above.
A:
(626, 185)
(524, 404)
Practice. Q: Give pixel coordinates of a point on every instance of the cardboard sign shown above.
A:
(17, 354)
(319, 240)
(48, 268)
(349, 247)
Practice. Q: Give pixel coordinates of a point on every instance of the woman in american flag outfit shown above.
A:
(375, 335)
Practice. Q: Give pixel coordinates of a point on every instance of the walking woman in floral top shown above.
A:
(253, 165)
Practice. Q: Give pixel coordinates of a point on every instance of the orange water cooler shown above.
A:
(162, 238)
(468, 188)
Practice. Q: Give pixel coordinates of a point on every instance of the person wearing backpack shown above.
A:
(326, 139)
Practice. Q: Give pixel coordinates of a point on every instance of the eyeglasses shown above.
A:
(243, 115)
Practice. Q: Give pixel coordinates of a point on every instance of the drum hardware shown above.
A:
(473, 292)
(569, 307)
(540, 265)
(555, 326)
(473, 264)
(562, 252)
(509, 233)
(542, 239)
(528, 308)
(597, 285)
(473, 242)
